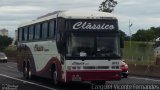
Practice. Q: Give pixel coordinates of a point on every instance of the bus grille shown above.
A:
(95, 67)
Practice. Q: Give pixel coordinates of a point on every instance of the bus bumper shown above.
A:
(110, 75)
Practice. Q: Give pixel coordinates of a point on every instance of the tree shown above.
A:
(150, 35)
(107, 6)
(157, 31)
(146, 35)
(140, 35)
(5, 41)
(123, 35)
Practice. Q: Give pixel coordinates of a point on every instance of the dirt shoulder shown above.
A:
(144, 70)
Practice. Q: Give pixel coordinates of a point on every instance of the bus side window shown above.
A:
(44, 30)
(31, 32)
(37, 31)
(51, 29)
(20, 34)
(26, 33)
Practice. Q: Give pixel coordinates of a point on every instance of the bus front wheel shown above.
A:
(54, 75)
(98, 82)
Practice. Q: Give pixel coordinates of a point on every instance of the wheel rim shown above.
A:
(25, 73)
(29, 74)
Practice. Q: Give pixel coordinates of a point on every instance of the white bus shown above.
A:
(71, 46)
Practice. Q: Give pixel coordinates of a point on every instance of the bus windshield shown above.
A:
(93, 45)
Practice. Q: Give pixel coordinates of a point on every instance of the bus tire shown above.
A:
(125, 75)
(27, 71)
(98, 82)
(54, 75)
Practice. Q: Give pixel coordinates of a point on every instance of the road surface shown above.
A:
(11, 79)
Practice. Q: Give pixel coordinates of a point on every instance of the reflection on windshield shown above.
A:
(107, 46)
(92, 45)
(80, 44)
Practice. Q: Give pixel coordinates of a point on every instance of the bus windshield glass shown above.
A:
(93, 45)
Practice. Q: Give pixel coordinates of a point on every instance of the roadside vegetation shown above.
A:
(7, 48)
(5, 41)
(139, 52)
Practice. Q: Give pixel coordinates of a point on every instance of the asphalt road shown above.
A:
(11, 79)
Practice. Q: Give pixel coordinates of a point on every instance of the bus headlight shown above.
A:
(73, 67)
(115, 67)
(78, 67)
(69, 67)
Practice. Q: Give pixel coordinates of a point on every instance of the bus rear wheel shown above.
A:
(27, 71)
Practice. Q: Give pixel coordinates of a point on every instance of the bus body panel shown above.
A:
(93, 75)
(42, 52)
(40, 55)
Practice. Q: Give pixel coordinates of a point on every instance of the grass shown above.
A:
(143, 62)
(139, 53)
(11, 48)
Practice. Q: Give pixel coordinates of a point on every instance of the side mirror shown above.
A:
(121, 43)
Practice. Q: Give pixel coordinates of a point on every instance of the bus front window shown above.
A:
(78, 44)
(93, 45)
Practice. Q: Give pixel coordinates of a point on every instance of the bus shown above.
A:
(71, 46)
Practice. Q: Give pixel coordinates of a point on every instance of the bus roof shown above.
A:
(85, 14)
(71, 15)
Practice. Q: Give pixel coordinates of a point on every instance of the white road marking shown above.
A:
(27, 82)
(12, 62)
(145, 79)
(10, 66)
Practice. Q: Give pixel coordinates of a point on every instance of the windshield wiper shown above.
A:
(108, 54)
(113, 55)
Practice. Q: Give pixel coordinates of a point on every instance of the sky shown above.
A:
(143, 14)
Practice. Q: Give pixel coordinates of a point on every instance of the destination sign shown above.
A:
(87, 25)
(92, 25)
